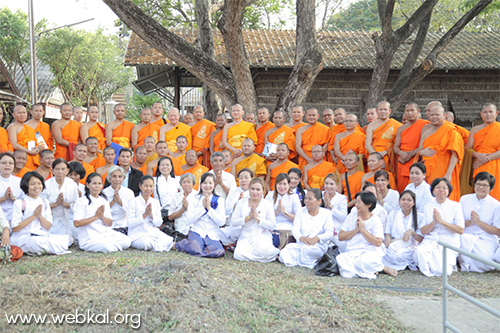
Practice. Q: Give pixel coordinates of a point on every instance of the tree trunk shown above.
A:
(308, 58)
(174, 47)
(230, 27)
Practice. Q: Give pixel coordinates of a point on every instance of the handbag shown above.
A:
(327, 265)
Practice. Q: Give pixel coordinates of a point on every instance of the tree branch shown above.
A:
(416, 48)
(414, 21)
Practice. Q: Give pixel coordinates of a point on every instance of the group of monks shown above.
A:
(268, 148)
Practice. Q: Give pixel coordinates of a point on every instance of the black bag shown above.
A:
(327, 265)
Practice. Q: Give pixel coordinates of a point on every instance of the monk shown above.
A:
(192, 166)
(228, 159)
(93, 128)
(162, 151)
(261, 128)
(66, 133)
(46, 160)
(157, 116)
(140, 159)
(484, 139)
(40, 127)
(93, 156)
(442, 150)
(216, 135)
(144, 129)
(281, 165)
(23, 137)
(375, 163)
(450, 116)
(109, 156)
(5, 144)
(20, 169)
(150, 145)
(277, 135)
(351, 177)
(80, 154)
(352, 140)
(306, 137)
(119, 131)
(78, 114)
(188, 119)
(250, 117)
(173, 129)
(179, 157)
(314, 173)
(371, 116)
(339, 115)
(296, 114)
(249, 160)
(407, 142)
(381, 134)
(327, 116)
(201, 132)
(236, 132)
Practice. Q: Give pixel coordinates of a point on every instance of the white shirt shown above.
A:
(166, 189)
(181, 223)
(253, 229)
(379, 211)
(206, 222)
(291, 204)
(451, 212)
(339, 210)
(391, 201)
(121, 214)
(69, 190)
(358, 242)
(228, 180)
(137, 225)
(320, 225)
(422, 194)
(83, 210)
(29, 205)
(232, 199)
(15, 185)
(488, 210)
(397, 224)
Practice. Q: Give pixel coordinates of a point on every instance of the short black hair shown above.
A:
(367, 184)
(382, 173)
(77, 167)
(483, 175)
(144, 178)
(9, 155)
(59, 161)
(420, 166)
(245, 170)
(439, 180)
(26, 178)
(369, 199)
(125, 150)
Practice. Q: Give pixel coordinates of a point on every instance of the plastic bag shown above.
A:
(327, 265)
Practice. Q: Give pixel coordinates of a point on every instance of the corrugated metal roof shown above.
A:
(44, 81)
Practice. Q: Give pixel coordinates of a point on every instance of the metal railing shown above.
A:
(446, 286)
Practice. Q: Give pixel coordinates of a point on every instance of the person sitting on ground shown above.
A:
(32, 220)
(296, 184)
(336, 203)
(286, 205)
(419, 186)
(379, 210)
(256, 217)
(179, 206)
(93, 220)
(77, 172)
(15, 251)
(387, 197)
(205, 218)
(166, 188)
(313, 230)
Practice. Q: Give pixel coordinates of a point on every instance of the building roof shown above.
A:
(341, 49)
(8, 89)
(45, 80)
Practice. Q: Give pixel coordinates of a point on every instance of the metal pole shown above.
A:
(445, 290)
(34, 88)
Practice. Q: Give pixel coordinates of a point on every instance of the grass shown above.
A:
(176, 292)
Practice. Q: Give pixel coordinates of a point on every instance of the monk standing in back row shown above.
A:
(216, 135)
(279, 134)
(37, 113)
(173, 129)
(144, 129)
(200, 132)
(260, 129)
(66, 133)
(93, 128)
(22, 137)
(238, 131)
(314, 133)
(351, 140)
(119, 130)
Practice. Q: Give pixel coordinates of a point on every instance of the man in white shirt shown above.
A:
(224, 181)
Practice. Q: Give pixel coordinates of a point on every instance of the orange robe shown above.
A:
(98, 162)
(171, 136)
(334, 130)
(122, 133)
(144, 169)
(160, 122)
(177, 163)
(464, 133)
(24, 136)
(354, 142)
(22, 172)
(316, 175)
(148, 130)
(392, 181)
(284, 135)
(296, 127)
(44, 130)
(197, 170)
(88, 170)
(445, 140)
(218, 141)
(5, 144)
(150, 158)
(282, 168)
(383, 139)
(487, 141)
(261, 132)
(255, 163)
(71, 133)
(236, 134)
(354, 184)
(98, 131)
(318, 134)
(410, 140)
(200, 132)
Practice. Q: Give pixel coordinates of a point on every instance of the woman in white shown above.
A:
(180, 204)
(286, 205)
(10, 189)
(296, 184)
(312, 230)
(337, 204)
(62, 193)
(482, 224)
(77, 172)
(401, 238)
(206, 213)
(256, 217)
(387, 198)
(444, 221)
(364, 233)
(419, 186)
(119, 198)
(378, 210)
(166, 183)
(143, 227)
(93, 220)
(32, 219)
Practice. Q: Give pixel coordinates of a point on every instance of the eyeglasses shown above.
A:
(482, 185)
(441, 188)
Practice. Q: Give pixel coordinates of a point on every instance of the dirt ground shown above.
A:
(175, 292)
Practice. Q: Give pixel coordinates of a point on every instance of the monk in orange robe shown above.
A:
(339, 116)
(40, 127)
(157, 115)
(109, 156)
(351, 140)
(173, 129)
(144, 129)
(93, 128)
(354, 177)
(442, 150)
(119, 131)
(484, 139)
(375, 163)
(296, 114)
(22, 137)
(249, 160)
(192, 166)
(281, 165)
(20, 168)
(140, 156)
(279, 134)
(464, 133)
(261, 128)
(371, 116)
(46, 160)
(201, 132)
(80, 154)
(93, 157)
(236, 132)
(314, 133)
(179, 157)
(66, 132)
(215, 142)
(5, 144)
(407, 142)
(315, 172)
(381, 134)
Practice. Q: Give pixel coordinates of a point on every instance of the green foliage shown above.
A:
(361, 15)
(137, 102)
(14, 37)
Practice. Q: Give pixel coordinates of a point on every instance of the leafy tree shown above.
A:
(139, 101)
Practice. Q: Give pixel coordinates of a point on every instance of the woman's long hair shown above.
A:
(413, 209)
(279, 179)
